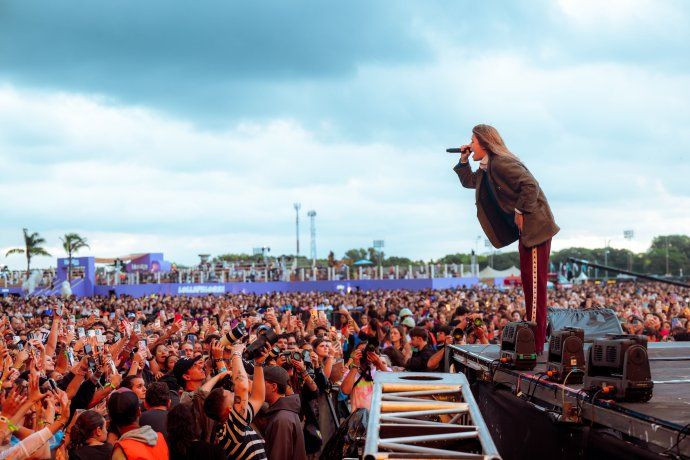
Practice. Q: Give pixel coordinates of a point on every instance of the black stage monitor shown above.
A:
(618, 368)
(566, 356)
(518, 349)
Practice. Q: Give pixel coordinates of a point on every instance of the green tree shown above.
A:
(32, 247)
(72, 243)
(356, 254)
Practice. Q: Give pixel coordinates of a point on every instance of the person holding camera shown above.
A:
(358, 383)
(510, 207)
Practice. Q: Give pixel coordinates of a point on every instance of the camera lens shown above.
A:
(274, 352)
(237, 333)
(296, 355)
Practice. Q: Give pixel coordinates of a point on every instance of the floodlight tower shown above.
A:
(297, 206)
(312, 218)
(629, 235)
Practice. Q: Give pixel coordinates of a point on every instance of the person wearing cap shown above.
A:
(408, 323)
(136, 442)
(190, 375)
(283, 433)
(405, 312)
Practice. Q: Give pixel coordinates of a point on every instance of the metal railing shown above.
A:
(260, 274)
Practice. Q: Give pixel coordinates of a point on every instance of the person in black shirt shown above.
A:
(87, 438)
(422, 351)
(157, 403)
(185, 441)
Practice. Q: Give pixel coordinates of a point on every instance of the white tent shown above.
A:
(581, 278)
(489, 272)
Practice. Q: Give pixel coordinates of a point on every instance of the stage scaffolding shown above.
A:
(425, 416)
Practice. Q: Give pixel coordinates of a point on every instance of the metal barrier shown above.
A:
(425, 415)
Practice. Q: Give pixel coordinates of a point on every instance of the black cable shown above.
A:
(682, 434)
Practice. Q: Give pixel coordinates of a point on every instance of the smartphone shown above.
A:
(70, 356)
(101, 339)
(191, 338)
(81, 333)
(70, 328)
(178, 317)
(112, 366)
(112, 315)
(117, 337)
(58, 311)
(16, 339)
(20, 346)
(88, 350)
(137, 328)
(314, 314)
(142, 344)
(157, 323)
(91, 333)
(97, 331)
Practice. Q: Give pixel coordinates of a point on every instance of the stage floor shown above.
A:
(661, 421)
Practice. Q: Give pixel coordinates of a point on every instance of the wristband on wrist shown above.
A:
(10, 426)
(222, 369)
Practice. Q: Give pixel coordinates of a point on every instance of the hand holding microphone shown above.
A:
(464, 151)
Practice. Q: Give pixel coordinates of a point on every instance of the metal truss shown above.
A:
(425, 416)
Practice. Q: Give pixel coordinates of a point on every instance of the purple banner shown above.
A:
(141, 290)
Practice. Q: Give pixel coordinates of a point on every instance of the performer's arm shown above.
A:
(468, 178)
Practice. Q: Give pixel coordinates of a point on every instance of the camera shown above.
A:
(274, 352)
(475, 323)
(235, 335)
(265, 335)
(458, 335)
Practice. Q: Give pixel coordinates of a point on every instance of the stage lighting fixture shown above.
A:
(566, 356)
(518, 349)
(618, 367)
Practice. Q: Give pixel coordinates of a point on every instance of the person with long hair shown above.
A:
(396, 338)
(88, 438)
(184, 436)
(510, 207)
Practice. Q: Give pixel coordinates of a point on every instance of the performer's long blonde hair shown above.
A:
(492, 142)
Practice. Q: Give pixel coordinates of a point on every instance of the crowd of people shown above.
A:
(247, 376)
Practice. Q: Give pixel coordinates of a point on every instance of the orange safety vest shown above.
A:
(137, 450)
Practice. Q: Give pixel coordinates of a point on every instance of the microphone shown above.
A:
(454, 150)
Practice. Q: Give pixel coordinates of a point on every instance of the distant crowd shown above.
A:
(248, 376)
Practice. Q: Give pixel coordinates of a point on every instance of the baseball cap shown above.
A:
(182, 366)
(405, 312)
(276, 374)
(408, 321)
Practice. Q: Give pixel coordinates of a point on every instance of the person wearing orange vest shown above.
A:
(136, 442)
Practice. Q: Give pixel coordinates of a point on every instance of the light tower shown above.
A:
(297, 206)
(629, 235)
(312, 218)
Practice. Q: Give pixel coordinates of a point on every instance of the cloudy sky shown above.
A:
(191, 128)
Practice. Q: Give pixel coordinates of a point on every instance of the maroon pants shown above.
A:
(534, 269)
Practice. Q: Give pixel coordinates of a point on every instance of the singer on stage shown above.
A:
(512, 206)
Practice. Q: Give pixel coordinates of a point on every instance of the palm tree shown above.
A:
(72, 243)
(31, 248)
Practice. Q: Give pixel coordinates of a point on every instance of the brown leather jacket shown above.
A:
(513, 187)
